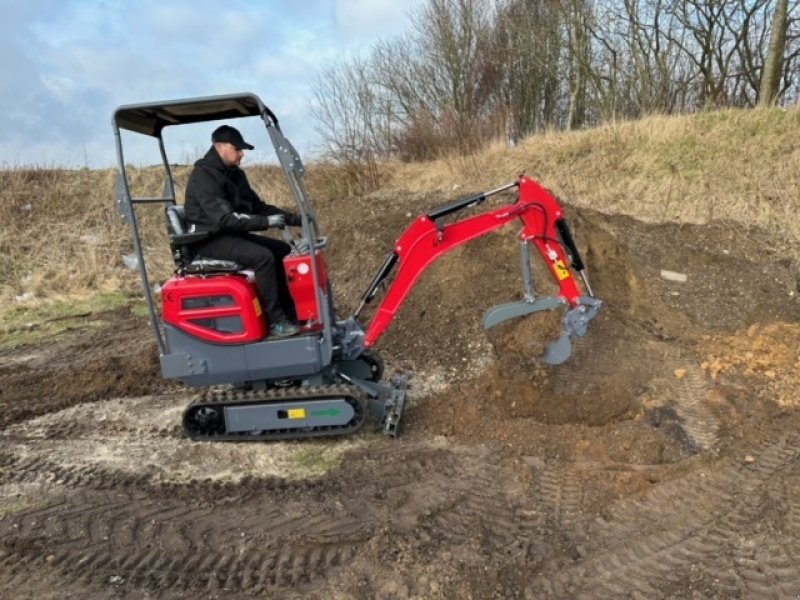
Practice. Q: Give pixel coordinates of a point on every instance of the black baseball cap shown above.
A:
(231, 135)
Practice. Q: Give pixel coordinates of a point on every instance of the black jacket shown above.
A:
(219, 199)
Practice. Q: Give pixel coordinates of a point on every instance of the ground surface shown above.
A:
(661, 461)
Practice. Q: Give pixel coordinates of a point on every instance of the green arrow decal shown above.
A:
(330, 412)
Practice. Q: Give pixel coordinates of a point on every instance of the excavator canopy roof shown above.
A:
(150, 118)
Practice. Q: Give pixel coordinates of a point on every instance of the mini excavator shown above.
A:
(327, 380)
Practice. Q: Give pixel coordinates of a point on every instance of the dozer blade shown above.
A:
(503, 312)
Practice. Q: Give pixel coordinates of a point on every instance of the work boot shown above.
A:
(283, 329)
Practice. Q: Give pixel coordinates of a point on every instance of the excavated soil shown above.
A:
(661, 461)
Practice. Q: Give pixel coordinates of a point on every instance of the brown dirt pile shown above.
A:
(658, 442)
(764, 351)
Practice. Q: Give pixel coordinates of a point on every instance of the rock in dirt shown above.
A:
(673, 276)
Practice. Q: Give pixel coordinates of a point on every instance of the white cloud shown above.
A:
(67, 65)
(367, 19)
(63, 88)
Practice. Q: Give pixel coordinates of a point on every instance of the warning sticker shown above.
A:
(297, 413)
(561, 270)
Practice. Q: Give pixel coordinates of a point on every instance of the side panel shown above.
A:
(200, 363)
(222, 309)
(288, 357)
(301, 284)
(285, 415)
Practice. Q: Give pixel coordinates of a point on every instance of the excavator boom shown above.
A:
(429, 237)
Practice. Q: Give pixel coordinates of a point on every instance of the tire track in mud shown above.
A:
(792, 496)
(685, 525)
(278, 539)
(42, 471)
(479, 512)
(166, 543)
(99, 428)
(696, 418)
(18, 357)
(273, 536)
(768, 568)
(283, 537)
(559, 492)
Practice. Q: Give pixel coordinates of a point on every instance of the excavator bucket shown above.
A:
(558, 351)
(574, 324)
(557, 255)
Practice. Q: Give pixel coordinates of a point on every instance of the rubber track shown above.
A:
(215, 397)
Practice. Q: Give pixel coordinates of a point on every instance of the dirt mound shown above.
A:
(661, 454)
(667, 291)
(764, 351)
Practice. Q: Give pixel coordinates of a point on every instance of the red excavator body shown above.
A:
(326, 380)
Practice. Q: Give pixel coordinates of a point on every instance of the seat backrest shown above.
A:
(176, 219)
(181, 239)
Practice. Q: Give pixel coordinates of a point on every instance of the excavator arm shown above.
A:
(429, 237)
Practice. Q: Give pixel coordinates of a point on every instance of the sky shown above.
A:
(68, 64)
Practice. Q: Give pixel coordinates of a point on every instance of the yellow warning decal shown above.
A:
(257, 306)
(561, 270)
(297, 413)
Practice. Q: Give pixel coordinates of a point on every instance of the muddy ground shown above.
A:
(661, 461)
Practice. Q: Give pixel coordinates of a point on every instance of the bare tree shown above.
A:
(354, 120)
(528, 50)
(723, 44)
(577, 21)
(459, 74)
(476, 70)
(658, 69)
(771, 77)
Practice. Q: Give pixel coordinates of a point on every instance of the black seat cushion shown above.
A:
(212, 265)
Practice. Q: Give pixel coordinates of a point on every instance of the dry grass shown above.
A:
(60, 234)
(738, 165)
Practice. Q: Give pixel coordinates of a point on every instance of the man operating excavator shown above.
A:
(219, 199)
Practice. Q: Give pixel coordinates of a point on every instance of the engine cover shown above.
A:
(223, 309)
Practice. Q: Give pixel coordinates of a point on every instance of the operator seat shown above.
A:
(181, 239)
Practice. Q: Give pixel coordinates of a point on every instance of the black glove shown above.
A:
(277, 221)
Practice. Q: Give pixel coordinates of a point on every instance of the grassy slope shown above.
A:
(738, 165)
(60, 235)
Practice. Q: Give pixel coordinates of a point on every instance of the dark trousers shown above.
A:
(265, 257)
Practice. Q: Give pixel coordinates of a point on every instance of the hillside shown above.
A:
(60, 234)
(660, 461)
